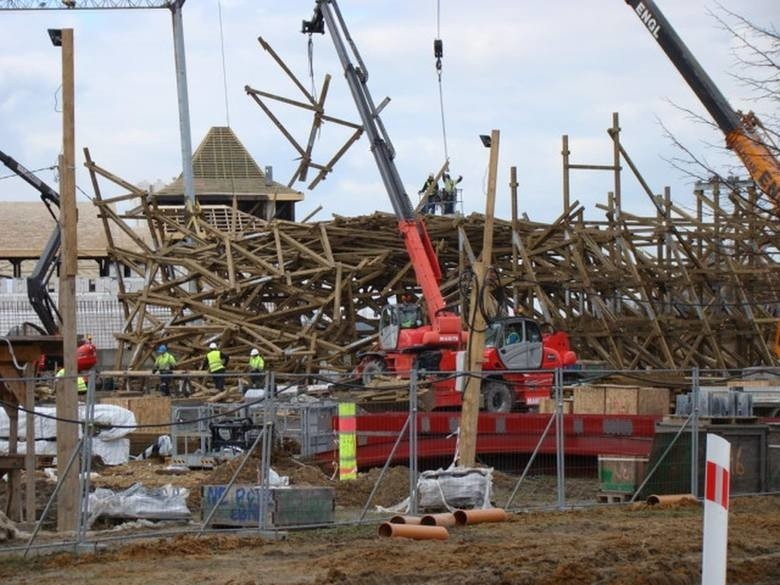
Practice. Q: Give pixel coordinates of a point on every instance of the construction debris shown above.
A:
(667, 291)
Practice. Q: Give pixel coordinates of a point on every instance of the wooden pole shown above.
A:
(513, 191)
(29, 457)
(565, 152)
(476, 346)
(67, 399)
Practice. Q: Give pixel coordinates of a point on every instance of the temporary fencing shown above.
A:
(589, 443)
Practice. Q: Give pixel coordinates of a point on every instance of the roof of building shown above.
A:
(26, 226)
(222, 166)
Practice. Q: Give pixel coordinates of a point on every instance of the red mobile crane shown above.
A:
(743, 131)
(37, 291)
(514, 343)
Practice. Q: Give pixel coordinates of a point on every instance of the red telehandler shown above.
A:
(37, 282)
(406, 341)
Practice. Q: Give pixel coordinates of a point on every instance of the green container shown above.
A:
(749, 458)
(621, 474)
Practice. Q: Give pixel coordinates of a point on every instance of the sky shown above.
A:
(532, 70)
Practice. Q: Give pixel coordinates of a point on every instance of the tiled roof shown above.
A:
(25, 227)
(222, 166)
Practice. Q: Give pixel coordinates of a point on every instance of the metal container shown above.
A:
(749, 458)
(284, 506)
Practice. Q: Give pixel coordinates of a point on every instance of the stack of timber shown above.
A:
(672, 290)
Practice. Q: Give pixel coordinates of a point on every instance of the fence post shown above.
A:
(86, 456)
(269, 406)
(695, 431)
(560, 451)
(413, 441)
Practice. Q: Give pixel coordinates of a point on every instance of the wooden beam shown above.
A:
(476, 345)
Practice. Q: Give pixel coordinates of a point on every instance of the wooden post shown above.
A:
(616, 163)
(476, 346)
(513, 192)
(565, 152)
(67, 399)
(29, 456)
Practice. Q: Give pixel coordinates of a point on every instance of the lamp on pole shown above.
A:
(67, 398)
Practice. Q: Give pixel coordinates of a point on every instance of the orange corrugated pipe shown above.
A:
(463, 517)
(417, 532)
(444, 519)
(668, 499)
(405, 520)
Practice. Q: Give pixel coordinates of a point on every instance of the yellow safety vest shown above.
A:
(81, 384)
(214, 358)
(256, 362)
(165, 361)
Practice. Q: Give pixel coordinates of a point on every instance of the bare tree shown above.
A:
(756, 52)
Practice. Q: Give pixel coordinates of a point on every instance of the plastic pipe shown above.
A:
(405, 520)
(444, 519)
(669, 499)
(417, 532)
(463, 517)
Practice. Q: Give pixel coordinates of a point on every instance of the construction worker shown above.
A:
(432, 188)
(450, 193)
(216, 362)
(164, 363)
(81, 383)
(256, 368)
(408, 311)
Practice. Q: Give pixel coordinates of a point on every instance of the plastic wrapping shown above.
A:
(163, 503)
(106, 416)
(113, 452)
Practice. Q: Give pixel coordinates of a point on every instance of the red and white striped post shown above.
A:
(717, 479)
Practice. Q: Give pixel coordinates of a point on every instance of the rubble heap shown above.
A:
(667, 291)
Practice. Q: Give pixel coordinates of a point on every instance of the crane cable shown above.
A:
(438, 54)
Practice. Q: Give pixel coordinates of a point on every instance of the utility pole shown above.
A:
(476, 346)
(67, 398)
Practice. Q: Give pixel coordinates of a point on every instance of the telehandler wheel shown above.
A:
(498, 396)
(372, 368)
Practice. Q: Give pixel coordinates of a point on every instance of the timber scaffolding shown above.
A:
(668, 291)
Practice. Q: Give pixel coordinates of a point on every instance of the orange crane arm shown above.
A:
(741, 136)
(762, 165)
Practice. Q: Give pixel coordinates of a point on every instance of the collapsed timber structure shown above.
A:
(672, 290)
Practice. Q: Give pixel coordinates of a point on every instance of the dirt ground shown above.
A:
(631, 543)
(634, 544)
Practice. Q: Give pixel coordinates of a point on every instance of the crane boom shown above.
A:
(740, 132)
(37, 292)
(416, 238)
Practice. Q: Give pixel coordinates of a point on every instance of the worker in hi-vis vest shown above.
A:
(164, 363)
(81, 383)
(216, 362)
(256, 368)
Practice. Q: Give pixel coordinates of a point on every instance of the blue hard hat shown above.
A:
(162, 349)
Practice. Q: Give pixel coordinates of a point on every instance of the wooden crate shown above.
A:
(547, 405)
(589, 400)
(752, 383)
(636, 400)
(621, 474)
(148, 410)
